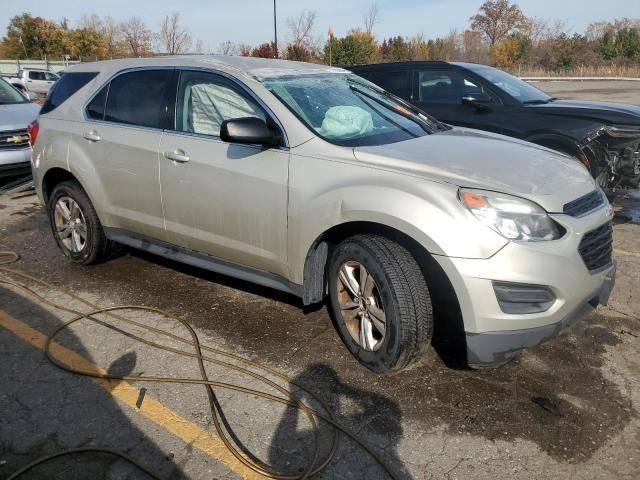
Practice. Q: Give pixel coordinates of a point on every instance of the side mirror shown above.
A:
(31, 96)
(481, 101)
(249, 130)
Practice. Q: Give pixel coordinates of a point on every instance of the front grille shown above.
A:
(14, 139)
(596, 247)
(584, 204)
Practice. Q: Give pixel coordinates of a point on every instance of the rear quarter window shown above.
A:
(64, 88)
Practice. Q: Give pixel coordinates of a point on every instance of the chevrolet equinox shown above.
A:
(311, 180)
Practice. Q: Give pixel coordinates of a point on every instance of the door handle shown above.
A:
(177, 156)
(92, 136)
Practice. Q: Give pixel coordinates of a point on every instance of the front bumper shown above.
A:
(15, 162)
(493, 336)
(493, 349)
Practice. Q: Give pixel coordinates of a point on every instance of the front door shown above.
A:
(222, 199)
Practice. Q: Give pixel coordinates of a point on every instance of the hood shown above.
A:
(17, 116)
(476, 159)
(607, 112)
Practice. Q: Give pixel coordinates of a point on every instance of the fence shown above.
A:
(11, 67)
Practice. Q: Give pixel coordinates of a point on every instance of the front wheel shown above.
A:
(380, 302)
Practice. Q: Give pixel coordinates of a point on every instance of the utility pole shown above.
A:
(275, 29)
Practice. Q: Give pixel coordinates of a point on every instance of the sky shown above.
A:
(251, 21)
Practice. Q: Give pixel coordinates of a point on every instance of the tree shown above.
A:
(173, 38)
(396, 49)
(370, 18)
(357, 47)
(496, 19)
(510, 51)
(33, 37)
(264, 50)
(137, 37)
(303, 46)
(86, 43)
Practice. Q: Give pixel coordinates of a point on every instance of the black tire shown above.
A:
(97, 246)
(402, 291)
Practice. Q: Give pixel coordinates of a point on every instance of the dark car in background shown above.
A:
(604, 136)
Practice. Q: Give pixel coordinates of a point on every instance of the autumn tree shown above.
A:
(86, 43)
(496, 19)
(510, 51)
(33, 37)
(357, 47)
(264, 50)
(173, 37)
(137, 37)
(303, 45)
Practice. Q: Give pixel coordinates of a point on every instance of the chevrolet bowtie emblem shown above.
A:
(17, 139)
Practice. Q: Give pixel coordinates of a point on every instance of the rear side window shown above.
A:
(95, 109)
(138, 98)
(397, 83)
(64, 88)
(36, 75)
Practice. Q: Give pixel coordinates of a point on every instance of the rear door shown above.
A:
(439, 92)
(226, 200)
(120, 136)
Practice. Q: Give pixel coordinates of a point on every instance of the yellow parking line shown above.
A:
(625, 253)
(166, 418)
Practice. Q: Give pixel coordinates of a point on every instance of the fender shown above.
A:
(556, 141)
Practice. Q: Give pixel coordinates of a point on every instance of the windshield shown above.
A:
(347, 110)
(518, 89)
(9, 95)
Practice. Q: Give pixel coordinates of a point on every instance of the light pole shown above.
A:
(275, 29)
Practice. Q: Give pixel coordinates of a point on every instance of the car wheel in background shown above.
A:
(380, 302)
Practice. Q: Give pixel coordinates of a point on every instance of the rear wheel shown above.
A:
(380, 302)
(75, 224)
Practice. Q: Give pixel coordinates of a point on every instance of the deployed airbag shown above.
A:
(345, 122)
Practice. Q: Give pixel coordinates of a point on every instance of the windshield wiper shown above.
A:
(538, 101)
(412, 113)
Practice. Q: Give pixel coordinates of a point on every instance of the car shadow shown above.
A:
(46, 410)
(376, 418)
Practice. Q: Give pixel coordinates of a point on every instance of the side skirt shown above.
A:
(202, 260)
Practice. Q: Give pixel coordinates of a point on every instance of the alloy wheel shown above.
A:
(361, 306)
(70, 224)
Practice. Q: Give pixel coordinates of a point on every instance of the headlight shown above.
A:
(512, 217)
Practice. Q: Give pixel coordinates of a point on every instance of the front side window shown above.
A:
(518, 89)
(447, 87)
(347, 110)
(138, 98)
(50, 77)
(206, 100)
(9, 95)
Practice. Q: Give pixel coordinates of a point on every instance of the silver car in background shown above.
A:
(17, 112)
(313, 181)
